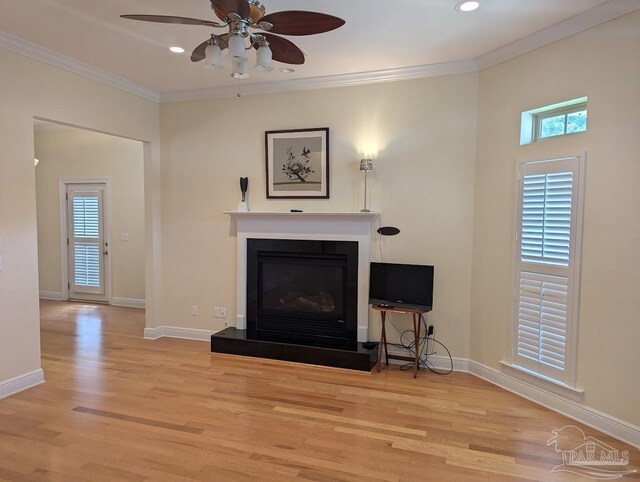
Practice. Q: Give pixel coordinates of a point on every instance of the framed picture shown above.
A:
(298, 163)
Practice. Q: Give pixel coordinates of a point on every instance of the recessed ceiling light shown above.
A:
(287, 70)
(467, 6)
(177, 50)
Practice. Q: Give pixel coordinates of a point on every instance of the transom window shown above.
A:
(555, 120)
(561, 121)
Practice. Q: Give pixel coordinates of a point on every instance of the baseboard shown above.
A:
(612, 426)
(177, 332)
(21, 382)
(51, 295)
(575, 410)
(438, 362)
(129, 302)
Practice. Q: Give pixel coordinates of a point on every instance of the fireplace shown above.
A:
(303, 289)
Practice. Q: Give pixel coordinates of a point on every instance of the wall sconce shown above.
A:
(366, 166)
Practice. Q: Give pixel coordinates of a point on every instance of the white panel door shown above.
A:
(86, 242)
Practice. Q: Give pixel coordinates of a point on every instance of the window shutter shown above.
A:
(546, 218)
(86, 217)
(544, 322)
(87, 245)
(87, 265)
(542, 319)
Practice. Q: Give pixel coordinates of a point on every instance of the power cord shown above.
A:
(422, 349)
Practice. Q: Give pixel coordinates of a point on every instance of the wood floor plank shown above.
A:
(118, 407)
(144, 421)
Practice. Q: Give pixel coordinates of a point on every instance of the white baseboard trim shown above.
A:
(51, 295)
(177, 332)
(612, 426)
(128, 302)
(438, 362)
(573, 409)
(21, 382)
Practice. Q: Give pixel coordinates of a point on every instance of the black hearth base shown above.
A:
(294, 348)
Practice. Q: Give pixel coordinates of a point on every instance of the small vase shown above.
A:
(242, 207)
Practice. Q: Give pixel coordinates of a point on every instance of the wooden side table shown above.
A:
(383, 337)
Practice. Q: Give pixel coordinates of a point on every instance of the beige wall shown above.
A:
(421, 135)
(81, 154)
(603, 64)
(29, 88)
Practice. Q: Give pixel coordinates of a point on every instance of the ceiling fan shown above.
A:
(239, 16)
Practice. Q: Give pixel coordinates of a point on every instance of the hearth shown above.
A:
(300, 295)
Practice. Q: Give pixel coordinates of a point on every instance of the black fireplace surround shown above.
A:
(302, 305)
(302, 288)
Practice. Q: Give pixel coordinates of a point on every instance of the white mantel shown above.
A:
(336, 226)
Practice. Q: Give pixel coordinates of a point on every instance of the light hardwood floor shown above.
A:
(117, 407)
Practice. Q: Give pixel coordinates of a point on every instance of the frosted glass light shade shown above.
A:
(213, 58)
(366, 165)
(236, 48)
(264, 59)
(240, 70)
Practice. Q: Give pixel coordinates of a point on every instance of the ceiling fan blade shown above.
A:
(283, 50)
(199, 53)
(241, 7)
(297, 22)
(171, 19)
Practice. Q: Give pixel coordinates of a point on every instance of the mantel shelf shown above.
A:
(356, 215)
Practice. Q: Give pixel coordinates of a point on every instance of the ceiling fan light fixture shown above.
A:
(467, 6)
(240, 70)
(246, 27)
(236, 48)
(264, 59)
(213, 57)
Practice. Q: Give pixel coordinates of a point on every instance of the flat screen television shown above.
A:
(401, 285)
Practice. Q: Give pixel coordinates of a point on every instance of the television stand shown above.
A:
(384, 309)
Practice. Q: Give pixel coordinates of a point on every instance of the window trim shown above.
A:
(574, 270)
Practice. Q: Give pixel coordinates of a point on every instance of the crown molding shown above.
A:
(56, 59)
(586, 20)
(571, 26)
(345, 80)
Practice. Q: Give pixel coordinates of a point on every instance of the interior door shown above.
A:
(88, 248)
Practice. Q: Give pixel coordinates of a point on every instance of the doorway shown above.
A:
(91, 216)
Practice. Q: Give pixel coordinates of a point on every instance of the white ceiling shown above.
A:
(378, 35)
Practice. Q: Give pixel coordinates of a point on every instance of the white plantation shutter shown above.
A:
(87, 265)
(86, 241)
(546, 267)
(86, 217)
(546, 218)
(542, 319)
(86, 226)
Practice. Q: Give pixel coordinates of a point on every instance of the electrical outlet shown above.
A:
(194, 310)
(216, 312)
(430, 330)
(223, 312)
